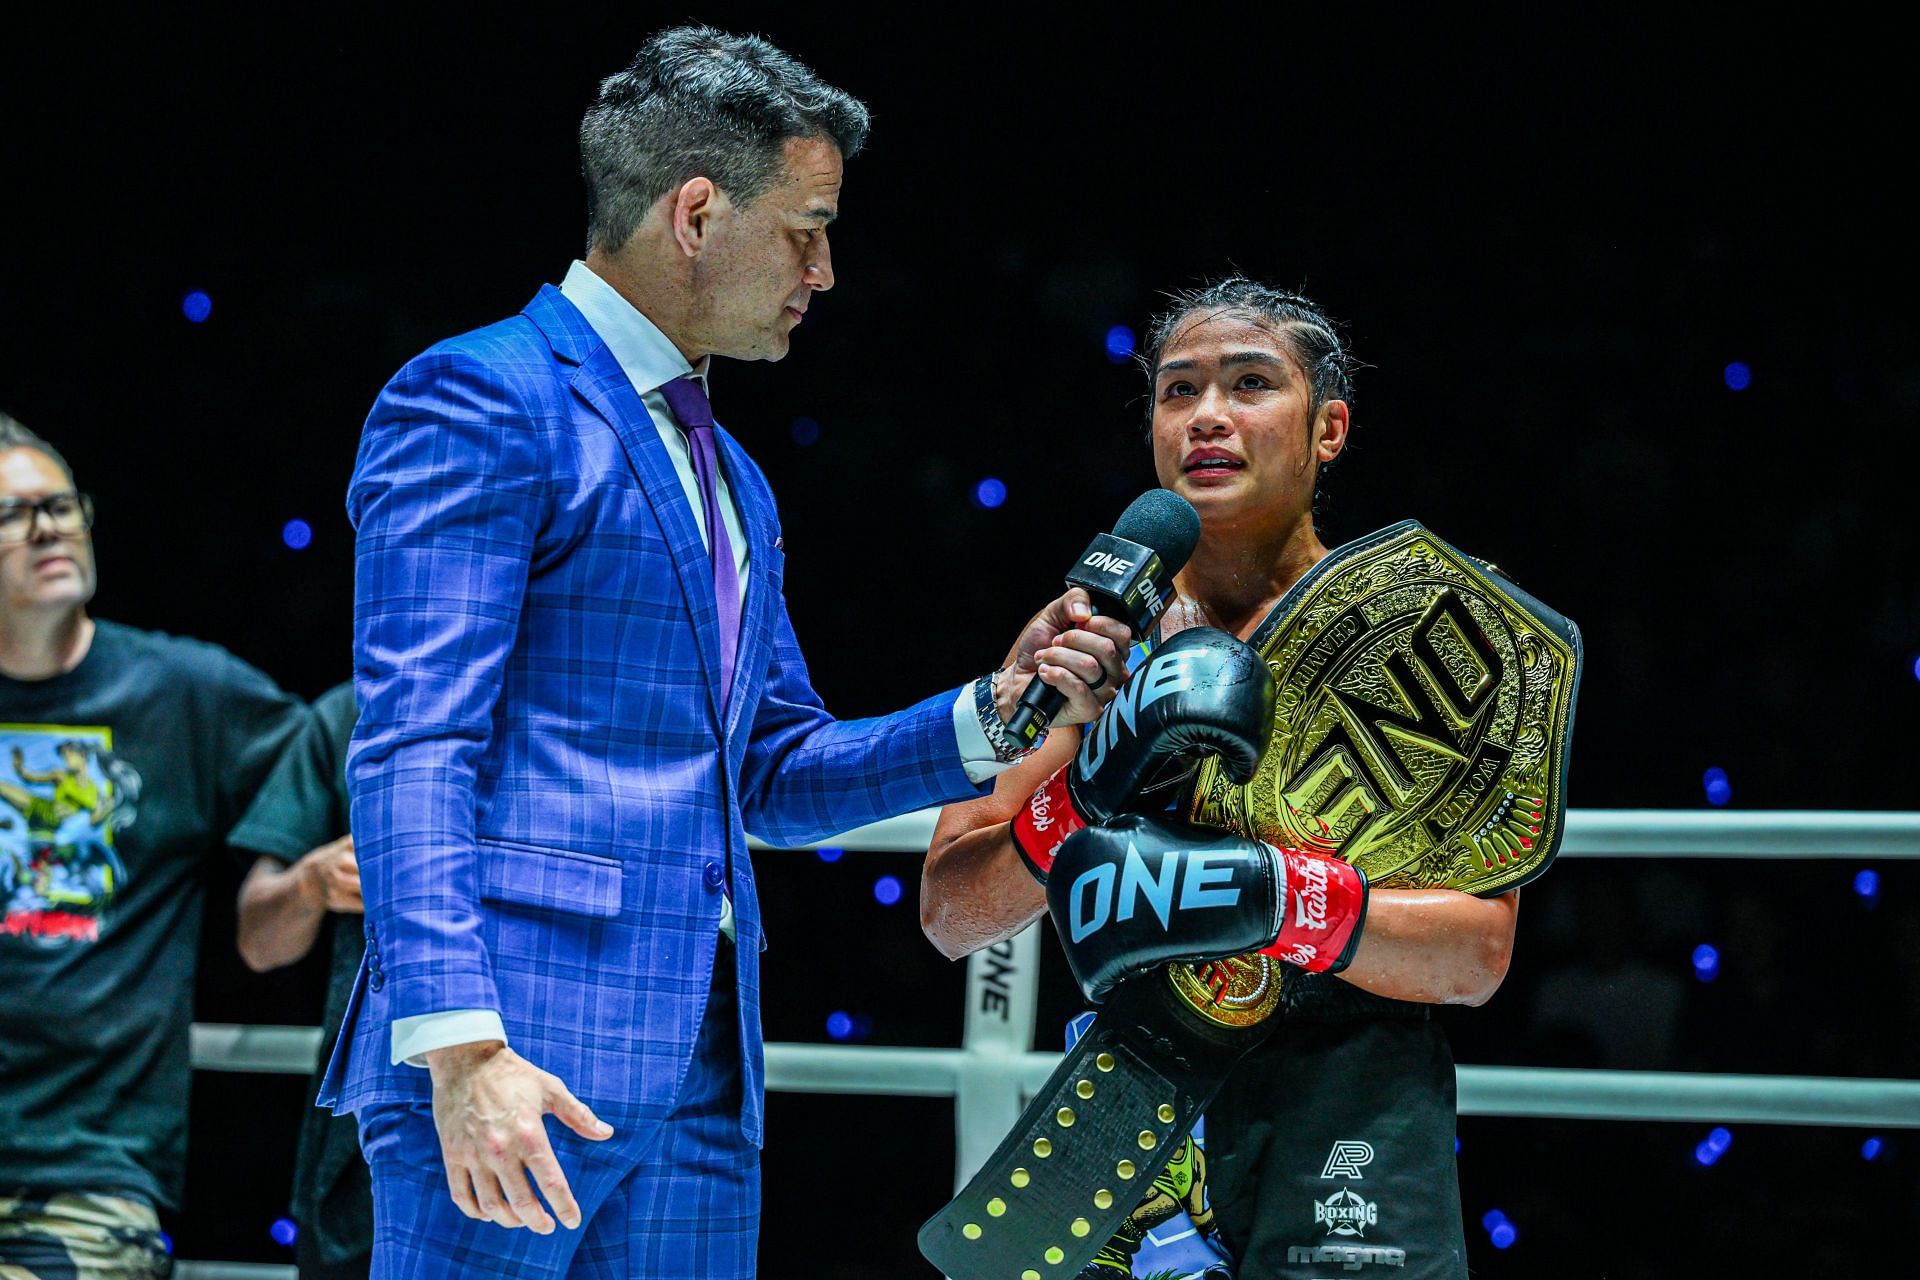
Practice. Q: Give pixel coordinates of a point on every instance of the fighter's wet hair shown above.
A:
(697, 102)
(1312, 339)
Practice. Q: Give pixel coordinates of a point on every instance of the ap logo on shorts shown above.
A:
(1347, 1158)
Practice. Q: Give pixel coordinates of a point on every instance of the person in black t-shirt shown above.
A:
(125, 755)
(303, 890)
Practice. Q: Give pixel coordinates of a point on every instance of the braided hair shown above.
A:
(1311, 338)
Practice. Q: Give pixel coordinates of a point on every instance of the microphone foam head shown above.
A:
(1165, 521)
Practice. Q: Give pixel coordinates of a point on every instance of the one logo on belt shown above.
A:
(1347, 1158)
(1346, 1213)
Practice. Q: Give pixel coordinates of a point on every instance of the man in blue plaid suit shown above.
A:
(579, 693)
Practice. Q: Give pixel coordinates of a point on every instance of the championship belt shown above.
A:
(1421, 732)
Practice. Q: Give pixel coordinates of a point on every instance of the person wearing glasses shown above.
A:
(125, 756)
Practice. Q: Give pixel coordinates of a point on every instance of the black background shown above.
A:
(1547, 238)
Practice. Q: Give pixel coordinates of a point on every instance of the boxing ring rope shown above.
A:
(994, 1072)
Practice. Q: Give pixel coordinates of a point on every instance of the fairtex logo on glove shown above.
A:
(1310, 899)
(1044, 825)
(1096, 901)
(1040, 809)
(1329, 903)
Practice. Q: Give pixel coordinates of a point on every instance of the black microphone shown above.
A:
(1127, 574)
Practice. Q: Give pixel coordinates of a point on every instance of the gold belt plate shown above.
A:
(1420, 732)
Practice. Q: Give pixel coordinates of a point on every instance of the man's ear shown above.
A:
(1330, 431)
(694, 213)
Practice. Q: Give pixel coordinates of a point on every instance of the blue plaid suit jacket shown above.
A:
(547, 794)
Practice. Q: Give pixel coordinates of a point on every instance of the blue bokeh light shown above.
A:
(284, 1232)
(1120, 344)
(1871, 1148)
(887, 890)
(166, 1242)
(1738, 376)
(830, 853)
(196, 307)
(1713, 1146)
(1503, 1235)
(1456, 1146)
(989, 493)
(1492, 1218)
(839, 1025)
(805, 431)
(1706, 962)
(1719, 789)
(1916, 667)
(297, 534)
(1866, 883)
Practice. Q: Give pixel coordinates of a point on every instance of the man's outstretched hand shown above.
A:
(489, 1105)
(1080, 654)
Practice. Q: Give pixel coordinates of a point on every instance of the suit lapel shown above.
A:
(600, 381)
(604, 385)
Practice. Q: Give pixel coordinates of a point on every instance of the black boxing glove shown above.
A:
(1201, 693)
(1140, 892)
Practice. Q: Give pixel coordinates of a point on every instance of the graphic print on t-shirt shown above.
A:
(63, 795)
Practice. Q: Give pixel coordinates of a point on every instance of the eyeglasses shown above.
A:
(67, 513)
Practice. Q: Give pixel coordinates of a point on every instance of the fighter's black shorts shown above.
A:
(1330, 1153)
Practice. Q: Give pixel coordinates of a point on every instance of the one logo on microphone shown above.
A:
(1348, 1157)
(1107, 562)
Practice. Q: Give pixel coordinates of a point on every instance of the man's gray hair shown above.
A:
(697, 102)
(15, 436)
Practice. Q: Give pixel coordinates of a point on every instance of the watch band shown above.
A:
(1006, 749)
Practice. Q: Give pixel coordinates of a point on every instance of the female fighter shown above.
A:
(1333, 1143)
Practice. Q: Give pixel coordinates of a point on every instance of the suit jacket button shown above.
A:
(376, 980)
(715, 874)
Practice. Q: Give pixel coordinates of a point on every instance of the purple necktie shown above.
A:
(689, 404)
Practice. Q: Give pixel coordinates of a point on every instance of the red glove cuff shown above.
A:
(1044, 823)
(1324, 902)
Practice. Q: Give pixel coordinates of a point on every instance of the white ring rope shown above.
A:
(991, 1078)
(1610, 833)
(1539, 1092)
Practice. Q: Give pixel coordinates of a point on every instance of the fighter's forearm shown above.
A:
(975, 891)
(1435, 946)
